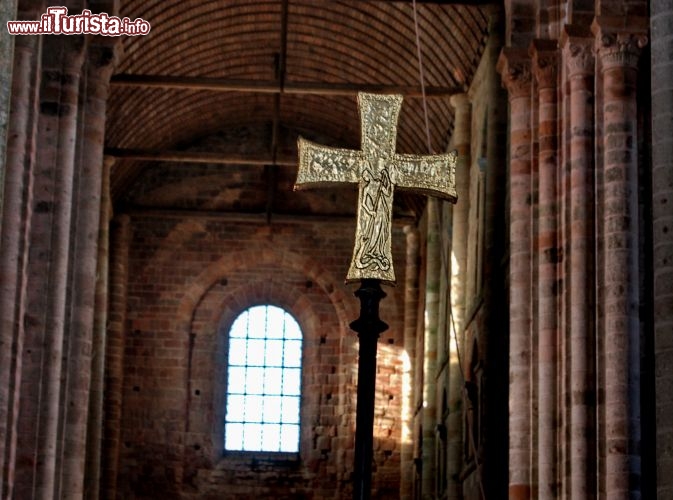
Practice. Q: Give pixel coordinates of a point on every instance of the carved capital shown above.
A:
(109, 161)
(619, 44)
(545, 58)
(578, 50)
(460, 101)
(514, 67)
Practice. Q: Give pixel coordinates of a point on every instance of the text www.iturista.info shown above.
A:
(56, 21)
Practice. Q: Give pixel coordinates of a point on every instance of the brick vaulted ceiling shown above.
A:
(285, 65)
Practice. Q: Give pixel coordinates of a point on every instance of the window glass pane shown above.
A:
(253, 408)
(257, 327)
(264, 381)
(292, 353)
(290, 413)
(240, 326)
(233, 437)
(292, 330)
(254, 381)
(271, 437)
(291, 381)
(272, 409)
(276, 319)
(235, 409)
(237, 352)
(273, 380)
(255, 353)
(252, 437)
(274, 353)
(236, 382)
(289, 438)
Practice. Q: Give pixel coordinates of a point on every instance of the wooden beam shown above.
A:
(258, 218)
(199, 157)
(274, 87)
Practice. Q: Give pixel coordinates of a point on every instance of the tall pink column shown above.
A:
(99, 335)
(661, 30)
(462, 127)
(15, 226)
(514, 67)
(40, 434)
(410, 325)
(545, 69)
(618, 51)
(579, 62)
(86, 210)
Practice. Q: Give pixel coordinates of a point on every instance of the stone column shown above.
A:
(618, 51)
(15, 228)
(514, 68)
(432, 290)
(96, 399)
(462, 126)
(87, 213)
(661, 30)
(114, 353)
(545, 69)
(579, 61)
(41, 434)
(410, 324)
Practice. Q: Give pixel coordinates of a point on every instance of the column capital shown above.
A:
(545, 59)
(109, 161)
(514, 66)
(462, 123)
(619, 41)
(103, 55)
(459, 101)
(412, 234)
(578, 44)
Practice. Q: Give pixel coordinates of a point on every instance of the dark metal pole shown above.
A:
(368, 327)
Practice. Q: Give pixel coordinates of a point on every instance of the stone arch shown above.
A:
(282, 258)
(207, 312)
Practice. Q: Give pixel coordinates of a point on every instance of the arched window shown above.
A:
(263, 382)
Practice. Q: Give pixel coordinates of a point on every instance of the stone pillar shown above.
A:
(462, 126)
(410, 324)
(96, 399)
(661, 30)
(87, 213)
(41, 432)
(579, 63)
(432, 291)
(114, 353)
(618, 51)
(15, 228)
(514, 67)
(545, 69)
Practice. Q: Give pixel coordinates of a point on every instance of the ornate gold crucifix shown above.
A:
(377, 168)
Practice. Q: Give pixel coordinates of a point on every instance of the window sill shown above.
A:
(259, 459)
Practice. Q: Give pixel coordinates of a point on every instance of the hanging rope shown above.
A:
(421, 75)
(445, 265)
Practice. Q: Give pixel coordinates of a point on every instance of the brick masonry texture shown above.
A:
(556, 264)
(188, 280)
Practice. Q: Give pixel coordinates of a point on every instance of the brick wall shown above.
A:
(188, 280)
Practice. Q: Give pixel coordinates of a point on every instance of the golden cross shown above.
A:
(377, 168)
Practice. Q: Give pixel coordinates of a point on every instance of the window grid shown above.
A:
(264, 382)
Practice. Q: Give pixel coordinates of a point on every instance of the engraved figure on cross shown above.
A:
(377, 168)
(377, 193)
